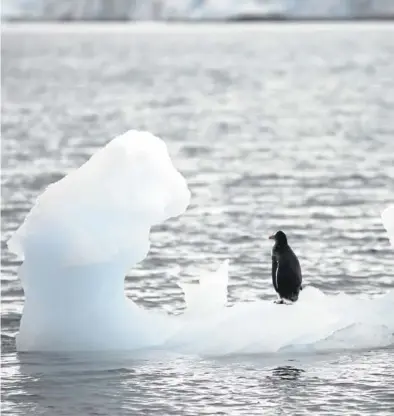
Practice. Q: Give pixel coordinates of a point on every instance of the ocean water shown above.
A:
(273, 126)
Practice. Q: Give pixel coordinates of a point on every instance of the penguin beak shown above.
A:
(271, 237)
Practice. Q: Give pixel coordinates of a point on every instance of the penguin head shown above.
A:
(280, 238)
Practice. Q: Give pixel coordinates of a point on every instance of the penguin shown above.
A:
(286, 270)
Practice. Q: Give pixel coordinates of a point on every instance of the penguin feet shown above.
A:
(283, 302)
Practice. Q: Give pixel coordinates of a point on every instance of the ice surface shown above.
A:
(87, 230)
(316, 323)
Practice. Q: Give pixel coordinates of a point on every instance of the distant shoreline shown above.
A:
(229, 20)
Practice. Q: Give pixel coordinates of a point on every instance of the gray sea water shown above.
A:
(273, 126)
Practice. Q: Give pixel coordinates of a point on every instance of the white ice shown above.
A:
(388, 222)
(89, 229)
(83, 235)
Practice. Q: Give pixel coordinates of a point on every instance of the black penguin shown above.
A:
(286, 269)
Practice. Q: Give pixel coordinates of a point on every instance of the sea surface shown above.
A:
(274, 126)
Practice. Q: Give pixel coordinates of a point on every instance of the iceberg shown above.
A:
(81, 238)
(86, 231)
(388, 222)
